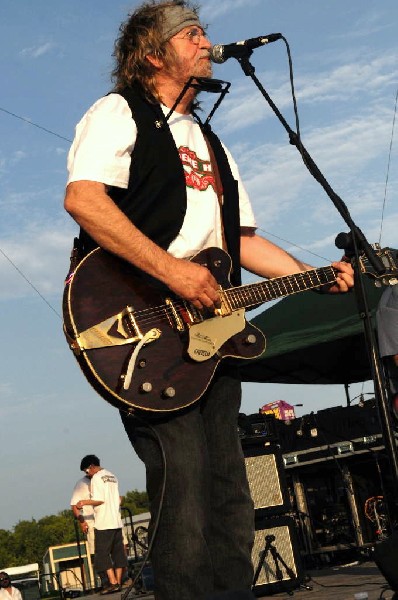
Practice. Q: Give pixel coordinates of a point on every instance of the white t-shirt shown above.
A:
(15, 594)
(105, 487)
(81, 491)
(101, 151)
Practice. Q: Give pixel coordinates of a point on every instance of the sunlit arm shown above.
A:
(93, 209)
(262, 257)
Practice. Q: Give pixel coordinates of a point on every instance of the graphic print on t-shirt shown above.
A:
(198, 172)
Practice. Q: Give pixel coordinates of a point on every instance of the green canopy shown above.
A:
(314, 338)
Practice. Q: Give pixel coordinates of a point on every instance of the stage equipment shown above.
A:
(267, 482)
(356, 247)
(385, 555)
(276, 557)
(258, 428)
(239, 595)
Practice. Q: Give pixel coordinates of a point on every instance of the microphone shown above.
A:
(220, 53)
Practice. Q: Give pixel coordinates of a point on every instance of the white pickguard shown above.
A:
(206, 338)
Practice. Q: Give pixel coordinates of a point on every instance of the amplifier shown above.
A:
(267, 481)
(385, 555)
(276, 557)
(257, 429)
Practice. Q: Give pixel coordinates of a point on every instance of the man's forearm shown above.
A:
(91, 207)
(82, 503)
(262, 257)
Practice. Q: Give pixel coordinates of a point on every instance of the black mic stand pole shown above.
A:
(354, 243)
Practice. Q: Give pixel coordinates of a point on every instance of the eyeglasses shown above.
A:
(4, 579)
(193, 35)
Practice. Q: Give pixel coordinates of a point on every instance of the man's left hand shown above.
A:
(345, 278)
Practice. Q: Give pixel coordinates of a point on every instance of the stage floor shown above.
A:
(337, 583)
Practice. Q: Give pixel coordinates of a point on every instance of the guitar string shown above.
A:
(268, 290)
(278, 284)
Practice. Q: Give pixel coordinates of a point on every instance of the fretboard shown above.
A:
(254, 294)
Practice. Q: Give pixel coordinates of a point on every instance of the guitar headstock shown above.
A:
(389, 258)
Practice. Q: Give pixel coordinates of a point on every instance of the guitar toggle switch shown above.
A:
(250, 339)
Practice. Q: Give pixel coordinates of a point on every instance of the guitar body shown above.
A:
(171, 357)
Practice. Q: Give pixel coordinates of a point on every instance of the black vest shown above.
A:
(155, 200)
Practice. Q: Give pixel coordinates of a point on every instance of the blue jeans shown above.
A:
(206, 530)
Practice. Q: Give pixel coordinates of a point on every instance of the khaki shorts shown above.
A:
(90, 539)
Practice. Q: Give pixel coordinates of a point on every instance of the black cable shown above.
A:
(345, 585)
(8, 112)
(30, 283)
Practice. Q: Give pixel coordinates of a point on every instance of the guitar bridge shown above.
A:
(117, 330)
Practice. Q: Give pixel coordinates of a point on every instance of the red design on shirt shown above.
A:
(198, 173)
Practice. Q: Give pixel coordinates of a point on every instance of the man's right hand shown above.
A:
(84, 526)
(194, 283)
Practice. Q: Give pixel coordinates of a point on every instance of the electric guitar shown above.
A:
(142, 348)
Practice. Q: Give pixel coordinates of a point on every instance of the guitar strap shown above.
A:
(76, 256)
(218, 187)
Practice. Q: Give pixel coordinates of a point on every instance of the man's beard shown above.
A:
(180, 70)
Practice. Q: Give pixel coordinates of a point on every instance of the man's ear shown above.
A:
(155, 62)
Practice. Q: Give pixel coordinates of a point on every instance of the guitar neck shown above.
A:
(253, 294)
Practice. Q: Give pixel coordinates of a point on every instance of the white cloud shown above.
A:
(245, 106)
(37, 51)
(348, 80)
(36, 261)
(214, 10)
(280, 186)
(371, 23)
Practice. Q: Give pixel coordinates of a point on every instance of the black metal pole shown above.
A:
(359, 244)
(126, 508)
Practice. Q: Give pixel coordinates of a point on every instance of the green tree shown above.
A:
(30, 540)
(58, 529)
(7, 554)
(136, 501)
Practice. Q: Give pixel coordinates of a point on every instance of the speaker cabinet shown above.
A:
(267, 481)
(276, 557)
(385, 555)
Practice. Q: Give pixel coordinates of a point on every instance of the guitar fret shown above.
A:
(272, 289)
(290, 281)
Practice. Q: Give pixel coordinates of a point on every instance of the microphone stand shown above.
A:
(353, 243)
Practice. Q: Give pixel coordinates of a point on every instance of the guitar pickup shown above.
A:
(172, 314)
(225, 309)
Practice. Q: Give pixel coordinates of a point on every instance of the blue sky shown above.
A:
(55, 60)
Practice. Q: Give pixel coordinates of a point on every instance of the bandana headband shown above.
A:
(175, 18)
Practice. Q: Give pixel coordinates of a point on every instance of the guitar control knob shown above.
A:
(146, 387)
(250, 339)
(169, 392)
